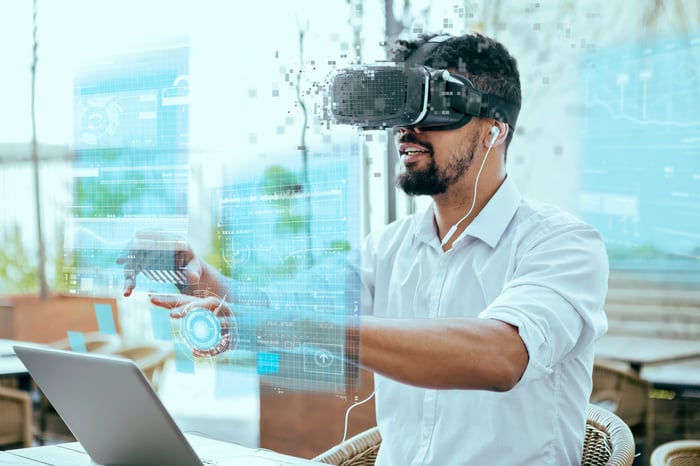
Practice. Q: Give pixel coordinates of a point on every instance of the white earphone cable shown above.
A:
(454, 227)
(347, 414)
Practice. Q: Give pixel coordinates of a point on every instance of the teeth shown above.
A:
(412, 151)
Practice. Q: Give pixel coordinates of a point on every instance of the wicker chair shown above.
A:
(677, 453)
(360, 450)
(15, 418)
(608, 442)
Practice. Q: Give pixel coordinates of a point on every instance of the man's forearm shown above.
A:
(458, 353)
(214, 282)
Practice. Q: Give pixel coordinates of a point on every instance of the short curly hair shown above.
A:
(483, 60)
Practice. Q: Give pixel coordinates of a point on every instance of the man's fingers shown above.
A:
(129, 285)
(156, 250)
(180, 305)
(171, 301)
(176, 308)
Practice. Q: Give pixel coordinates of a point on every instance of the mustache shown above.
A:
(409, 137)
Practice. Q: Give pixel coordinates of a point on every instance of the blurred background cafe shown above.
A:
(206, 120)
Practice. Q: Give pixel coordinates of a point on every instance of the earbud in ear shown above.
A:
(494, 133)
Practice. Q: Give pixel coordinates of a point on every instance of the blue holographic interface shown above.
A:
(130, 169)
(284, 223)
(640, 181)
(289, 239)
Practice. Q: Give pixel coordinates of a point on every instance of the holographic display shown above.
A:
(130, 164)
(290, 245)
(640, 181)
(287, 228)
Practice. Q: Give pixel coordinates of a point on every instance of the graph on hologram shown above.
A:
(641, 147)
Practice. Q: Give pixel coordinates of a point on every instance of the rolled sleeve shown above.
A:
(555, 297)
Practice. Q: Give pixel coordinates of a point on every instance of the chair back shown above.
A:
(623, 392)
(16, 418)
(150, 358)
(608, 439)
(360, 450)
(677, 453)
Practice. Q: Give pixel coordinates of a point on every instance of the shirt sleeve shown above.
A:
(555, 296)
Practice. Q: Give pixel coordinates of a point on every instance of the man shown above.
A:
(481, 338)
(480, 312)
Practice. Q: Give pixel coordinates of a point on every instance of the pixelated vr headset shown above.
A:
(410, 95)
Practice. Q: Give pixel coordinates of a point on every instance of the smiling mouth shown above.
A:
(412, 151)
(410, 155)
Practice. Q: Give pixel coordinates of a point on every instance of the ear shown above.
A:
(496, 134)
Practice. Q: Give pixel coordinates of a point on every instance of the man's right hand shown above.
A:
(180, 306)
(153, 250)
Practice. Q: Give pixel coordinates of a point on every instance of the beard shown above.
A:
(432, 179)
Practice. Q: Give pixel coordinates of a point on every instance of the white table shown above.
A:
(11, 366)
(646, 351)
(683, 376)
(73, 454)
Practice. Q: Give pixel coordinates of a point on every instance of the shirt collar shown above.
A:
(488, 226)
(493, 219)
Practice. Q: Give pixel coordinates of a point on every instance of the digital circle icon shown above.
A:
(323, 358)
(99, 121)
(205, 334)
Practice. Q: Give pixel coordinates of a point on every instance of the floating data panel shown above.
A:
(290, 239)
(640, 182)
(130, 168)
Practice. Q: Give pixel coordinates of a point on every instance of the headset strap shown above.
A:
(493, 106)
(481, 104)
(421, 53)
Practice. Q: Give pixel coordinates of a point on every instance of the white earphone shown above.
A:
(495, 131)
(494, 134)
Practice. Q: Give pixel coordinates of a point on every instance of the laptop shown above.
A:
(111, 409)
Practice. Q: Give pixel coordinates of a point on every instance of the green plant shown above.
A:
(18, 268)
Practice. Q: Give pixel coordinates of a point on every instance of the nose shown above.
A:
(403, 130)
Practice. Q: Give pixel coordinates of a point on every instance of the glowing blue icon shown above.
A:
(201, 329)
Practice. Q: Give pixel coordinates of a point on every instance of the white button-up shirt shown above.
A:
(532, 266)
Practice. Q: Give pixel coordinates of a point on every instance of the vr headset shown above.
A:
(410, 95)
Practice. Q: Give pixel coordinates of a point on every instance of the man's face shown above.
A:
(434, 160)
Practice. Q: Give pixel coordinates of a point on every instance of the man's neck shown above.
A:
(450, 207)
